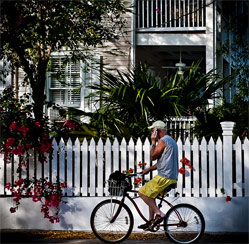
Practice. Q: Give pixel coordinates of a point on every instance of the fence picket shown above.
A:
(187, 150)
(54, 162)
(131, 154)
(100, 169)
(84, 149)
(238, 165)
(196, 177)
(203, 148)
(219, 168)
(92, 166)
(2, 170)
(180, 176)
(139, 150)
(246, 166)
(77, 171)
(70, 183)
(123, 150)
(115, 149)
(211, 159)
(108, 164)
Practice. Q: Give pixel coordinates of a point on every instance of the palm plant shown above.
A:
(132, 100)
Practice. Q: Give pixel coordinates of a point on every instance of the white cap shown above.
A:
(158, 124)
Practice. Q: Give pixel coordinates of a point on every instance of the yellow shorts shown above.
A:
(156, 186)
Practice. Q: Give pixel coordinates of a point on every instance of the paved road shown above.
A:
(20, 236)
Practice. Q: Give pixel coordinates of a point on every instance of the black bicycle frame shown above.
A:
(138, 210)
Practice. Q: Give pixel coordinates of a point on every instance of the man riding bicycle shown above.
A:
(166, 153)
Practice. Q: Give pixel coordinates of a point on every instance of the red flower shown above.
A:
(37, 124)
(182, 170)
(12, 210)
(10, 142)
(14, 126)
(130, 170)
(185, 161)
(20, 149)
(19, 182)
(138, 180)
(228, 199)
(140, 164)
(24, 130)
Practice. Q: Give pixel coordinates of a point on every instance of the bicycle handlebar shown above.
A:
(134, 174)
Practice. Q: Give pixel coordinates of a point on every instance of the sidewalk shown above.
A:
(77, 237)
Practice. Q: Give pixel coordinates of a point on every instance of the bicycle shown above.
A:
(112, 220)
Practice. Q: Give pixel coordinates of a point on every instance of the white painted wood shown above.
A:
(219, 168)
(76, 148)
(196, 169)
(100, 169)
(2, 166)
(238, 165)
(108, 164)
(211, 151)
(180, 176)
(115, 149)
(187, 150)
(84, 149)
(203, 147)
(246, 165)
(69, 169)
(227, 128)
(131, 154)
(123, 150)
(92, 166)
(54, 161)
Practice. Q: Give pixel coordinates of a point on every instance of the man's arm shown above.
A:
(156, 151)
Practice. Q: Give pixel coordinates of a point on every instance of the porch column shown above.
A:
(210, 35)
(227, 128)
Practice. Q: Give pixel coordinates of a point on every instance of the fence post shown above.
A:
(227, 128)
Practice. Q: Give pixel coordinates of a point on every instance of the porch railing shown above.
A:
(163, 15)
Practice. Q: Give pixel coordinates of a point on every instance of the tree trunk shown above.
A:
(38, 89)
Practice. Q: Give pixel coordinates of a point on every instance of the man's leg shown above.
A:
(152, 205)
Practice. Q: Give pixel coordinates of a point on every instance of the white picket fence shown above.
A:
(86, 166)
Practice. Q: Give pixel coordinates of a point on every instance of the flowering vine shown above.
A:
(20, 133)
(186, 162)
(47, 193)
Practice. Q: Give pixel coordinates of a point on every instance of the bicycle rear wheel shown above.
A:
(101, 224)
(184, 223)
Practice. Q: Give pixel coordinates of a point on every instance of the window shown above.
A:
(67, 84)
(5, 75)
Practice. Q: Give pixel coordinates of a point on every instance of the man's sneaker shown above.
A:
(145, 226)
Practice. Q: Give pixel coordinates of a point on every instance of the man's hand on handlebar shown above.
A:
(145, 171)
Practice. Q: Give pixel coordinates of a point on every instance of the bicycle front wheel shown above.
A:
(184, 223)
(102, 221)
